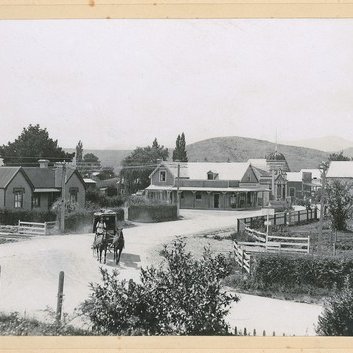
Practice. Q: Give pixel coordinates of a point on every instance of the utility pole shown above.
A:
(323, 167)
(62, 208)
(178, 195)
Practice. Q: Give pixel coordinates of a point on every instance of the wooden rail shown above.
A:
(242, 257)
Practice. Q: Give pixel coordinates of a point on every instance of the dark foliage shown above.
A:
(340, 203)
(179, 153)
(11, 217)
(152, 213)
(273, 270)
(183, 297)
(338, 157)
(33, 143)
(96, 199)
(337, 318)
(139, 165)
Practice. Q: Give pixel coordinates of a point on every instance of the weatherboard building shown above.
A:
(208, 185)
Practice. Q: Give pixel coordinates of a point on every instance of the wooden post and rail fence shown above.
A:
(30, 228)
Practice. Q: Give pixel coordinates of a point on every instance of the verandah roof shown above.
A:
(207, 189)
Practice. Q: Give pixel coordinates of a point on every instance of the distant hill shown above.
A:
(240, 149)
(348, 152)
(222, 149)
(326, 143)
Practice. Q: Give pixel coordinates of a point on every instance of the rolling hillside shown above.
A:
(240, 149)
(222, 149)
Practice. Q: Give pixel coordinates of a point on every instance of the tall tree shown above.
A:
(179, 153)
(79, 151)
(90, 157)
(338, 157)
(139, 165)
(34, 143)
(340, 203)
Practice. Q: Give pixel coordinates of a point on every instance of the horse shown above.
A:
(101, 244)
(118, 244)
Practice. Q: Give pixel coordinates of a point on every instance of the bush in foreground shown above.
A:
(337, 318)
(181, 297)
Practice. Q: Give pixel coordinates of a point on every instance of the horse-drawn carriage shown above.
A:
(108, 235)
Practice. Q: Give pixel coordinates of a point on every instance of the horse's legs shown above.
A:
(105, 254)
(119, 253)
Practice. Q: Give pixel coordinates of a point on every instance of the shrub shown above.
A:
(337, 317)
(100, 200)
(273, 270)
(152, 213)
(11, 217)
(182, 297)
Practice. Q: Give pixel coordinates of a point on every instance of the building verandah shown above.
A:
(199, 198)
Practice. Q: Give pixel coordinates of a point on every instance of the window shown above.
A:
(18, 196)
(35, 200)
(73, 196)
(292, 192)
(198, 195)
(162, 175)
(210, 176)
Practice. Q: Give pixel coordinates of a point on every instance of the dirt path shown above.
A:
(30, 269)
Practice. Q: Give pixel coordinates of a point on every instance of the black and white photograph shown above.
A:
(176, 177)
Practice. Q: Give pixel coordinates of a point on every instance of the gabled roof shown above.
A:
(259, 163)
(340, 169)
(260, 173)
(199, 170)
(7, 174)
(40, 177)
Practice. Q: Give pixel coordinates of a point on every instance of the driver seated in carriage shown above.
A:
(101, 229)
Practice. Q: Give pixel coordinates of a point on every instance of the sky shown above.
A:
(118, 84)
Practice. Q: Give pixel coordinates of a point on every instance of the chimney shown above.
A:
(43, 163)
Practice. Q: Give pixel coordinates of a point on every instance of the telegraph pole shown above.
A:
(62, 208)
(323, 167)
(178, 195)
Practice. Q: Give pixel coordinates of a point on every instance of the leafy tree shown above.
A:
(90, 157)
(106, 173)
(79, 151)
(179, 153)
(33, 143)
(182, 297)
(337, 317)
(139, 165)
(338, 157)
(340, 203)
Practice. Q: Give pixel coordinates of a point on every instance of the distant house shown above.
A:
(208, 185)
(90, 183)
(340, 170)
(38, 187)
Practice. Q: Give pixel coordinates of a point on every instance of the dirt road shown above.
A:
(30, 269)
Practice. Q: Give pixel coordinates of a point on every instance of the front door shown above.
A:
(216, 200)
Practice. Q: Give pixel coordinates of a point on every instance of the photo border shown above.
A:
(174, 9)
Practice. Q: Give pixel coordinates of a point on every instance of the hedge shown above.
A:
(82, 220)
(299, 270)
(152, 213)
(11, 217)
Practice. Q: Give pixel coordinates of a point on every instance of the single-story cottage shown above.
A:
(39, 187)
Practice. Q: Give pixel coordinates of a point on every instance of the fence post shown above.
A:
(45, 228)
(254, 333)
(245, 333)
(242, 261)
(19, 226)
(308, 244)
(59, 305)
(274, 219)
(236, 331)
(263, 333)
(298, 216)
(285, 218)
(315, 212)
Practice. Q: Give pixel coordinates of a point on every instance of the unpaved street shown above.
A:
(30, 269)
